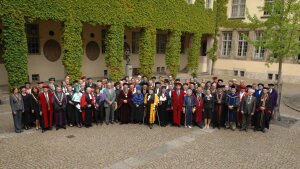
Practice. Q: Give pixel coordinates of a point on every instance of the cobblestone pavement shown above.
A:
(136, 146)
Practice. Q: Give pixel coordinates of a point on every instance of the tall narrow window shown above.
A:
(161, 43)
(33, 38)
(259, 50)
(208, 3)
(243, 44)
(238, 8)
(226, 43)
(103, 36)
(135, 42)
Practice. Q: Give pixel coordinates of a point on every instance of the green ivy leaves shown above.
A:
(173, 52)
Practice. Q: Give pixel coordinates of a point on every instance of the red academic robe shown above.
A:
(48, 118)
(199, 109)
(83, 103)
(177, 106)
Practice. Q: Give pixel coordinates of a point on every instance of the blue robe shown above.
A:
(189, 102)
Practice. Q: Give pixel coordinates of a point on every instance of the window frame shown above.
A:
(135, 42)
(242, 48)
(161, 43)
(259, 52)
(33, 39)
(238, 8)
(226, 43)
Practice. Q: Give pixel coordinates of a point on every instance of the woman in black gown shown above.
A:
(35, 106)
(27, 108)
(162, 107)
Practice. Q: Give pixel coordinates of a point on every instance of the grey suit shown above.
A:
(110, 96)
(17, 107)
(248, 106)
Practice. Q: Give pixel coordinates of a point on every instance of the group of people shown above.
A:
(162, 101)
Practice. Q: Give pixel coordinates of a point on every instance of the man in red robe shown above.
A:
(177, 102)
(87, 102)
(46, 108)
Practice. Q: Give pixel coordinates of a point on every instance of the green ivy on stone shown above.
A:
(173, 52)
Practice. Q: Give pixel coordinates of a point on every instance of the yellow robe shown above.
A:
(152, 107)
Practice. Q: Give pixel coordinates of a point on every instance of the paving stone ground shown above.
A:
(136, 146)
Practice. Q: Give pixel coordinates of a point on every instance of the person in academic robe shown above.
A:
(151, 101)
(158, 88)
(220, 100)
(263, 111)
(144, 90)
(35, 106)
(27, 108)
(198, 115)
(242, 93)
(87, 102)
(52, 85)
(209, 105)
(125, 104)
(64, 87)
(17, 108)
(138, 105)
(40, 86)
(163, 105)
(189, 107)
(232, 102)
(70, 106)
(76, 98)
(259, 91)
(46, 108)
(177, 103)
(99, 106)
(59, 106)
(248, 107)
(273, 97)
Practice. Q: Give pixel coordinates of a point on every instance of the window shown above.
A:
(259, 50)
(269, 7)
(157, 69)
(182, 50)
(208, 4)
(161, 43)
(243, 44)
(35, 77)
(163, 69)
(270, 76)
(203, 49)
(242, 73)
(276, 77)
(238, 8)
(135, 42)
(103, 36)
(235, 73)
(226, 43)
(33, 39)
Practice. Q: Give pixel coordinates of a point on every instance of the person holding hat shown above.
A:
(17, 108)
(177, 102)
(151, 101)
(263, 111)
(189, 108)
(87, 103)
(77, 110)
(27, 115)
(59, 107)
(233, 102)
(125, 104)
(35, 106)
(46, 108)
(138, 105)
(162, 109)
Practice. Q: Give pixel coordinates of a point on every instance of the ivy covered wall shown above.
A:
(168, 15)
